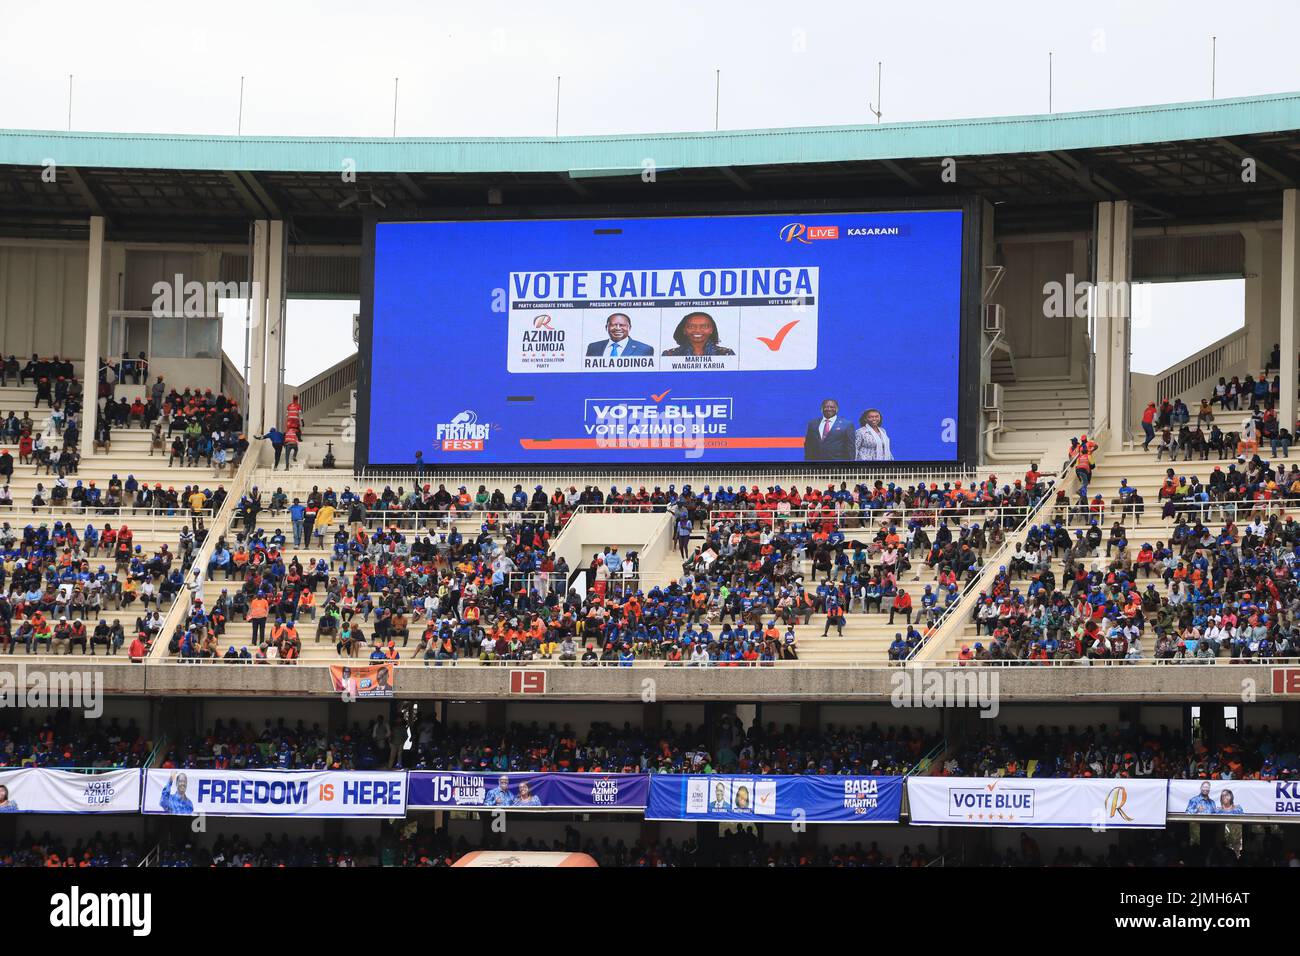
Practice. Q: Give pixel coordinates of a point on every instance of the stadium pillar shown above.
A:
(94, 313)
(652, 717)
(255, 424)
(275, 262)
(809, 717)
(1111, 305)
(1289, 337)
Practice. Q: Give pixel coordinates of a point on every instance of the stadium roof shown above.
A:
(1178, 162)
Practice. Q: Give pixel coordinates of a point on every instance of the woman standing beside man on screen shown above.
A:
(871, 441)
(832, 438)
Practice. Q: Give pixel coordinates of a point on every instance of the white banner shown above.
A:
(276, 793)
(753, 319)
(1023, 802)
(43, 790)
(1251, 798)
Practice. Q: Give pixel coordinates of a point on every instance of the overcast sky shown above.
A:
(488, 68)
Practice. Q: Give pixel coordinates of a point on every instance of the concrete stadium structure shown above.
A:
(92, 223)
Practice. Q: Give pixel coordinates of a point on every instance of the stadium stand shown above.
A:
(93, 549)
(53, 743)
(1148, 561)
(603, 749)
(226, 539)
(742, 586)
(1133, 752)
(50, 851)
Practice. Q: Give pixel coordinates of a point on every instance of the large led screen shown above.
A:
(736, 338)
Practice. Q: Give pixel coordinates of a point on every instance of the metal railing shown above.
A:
(725, 474)
(961, 605)
(220, 525)
(152, 520)
(1084, 661)
(641, 663)
(1066, 480)
(813, 663)
(892, 513)
(404, 519)
(159, 748)
(926, 762)
(927, 515)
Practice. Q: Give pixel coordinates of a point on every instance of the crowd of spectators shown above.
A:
(51, 851)
(241, 746)
(1127, 752)
(1221, 586)
(755, 567)
(190, 428)
(606, 749)
(48, 442)
(57, 583)
(1175, 846)
(742, 847)
(427, 745)
(56, 742)
(739, 847)
(1175, 429)
(238, 851)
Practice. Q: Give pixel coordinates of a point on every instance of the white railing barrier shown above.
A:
(220, 525)
(1206, 365)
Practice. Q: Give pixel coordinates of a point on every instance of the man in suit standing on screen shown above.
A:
(620, 342)
(829, 438)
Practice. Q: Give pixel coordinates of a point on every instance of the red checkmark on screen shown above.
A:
(774, 343)
(661, 396)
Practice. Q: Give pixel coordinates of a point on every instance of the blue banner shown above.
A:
(528, 791)
(775, 799)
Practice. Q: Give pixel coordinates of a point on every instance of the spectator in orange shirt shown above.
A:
(258, 610)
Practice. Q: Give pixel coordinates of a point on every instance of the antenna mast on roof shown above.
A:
(1049, 82)
(875, 107)
(717, 97)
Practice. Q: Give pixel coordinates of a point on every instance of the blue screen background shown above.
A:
(888, 321)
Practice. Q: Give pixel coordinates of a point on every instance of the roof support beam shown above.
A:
(573, 184)
(88, 195)
(735, 177)
(263, 196)
(901, 173)
(1094, 185)
(251, 205)
(1277, 167)
(412, 187)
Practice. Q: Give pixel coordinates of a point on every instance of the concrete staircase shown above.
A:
(337, 426)
(1039, 416)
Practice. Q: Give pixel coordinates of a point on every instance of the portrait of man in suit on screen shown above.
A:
(620, 342)
(829, 438)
